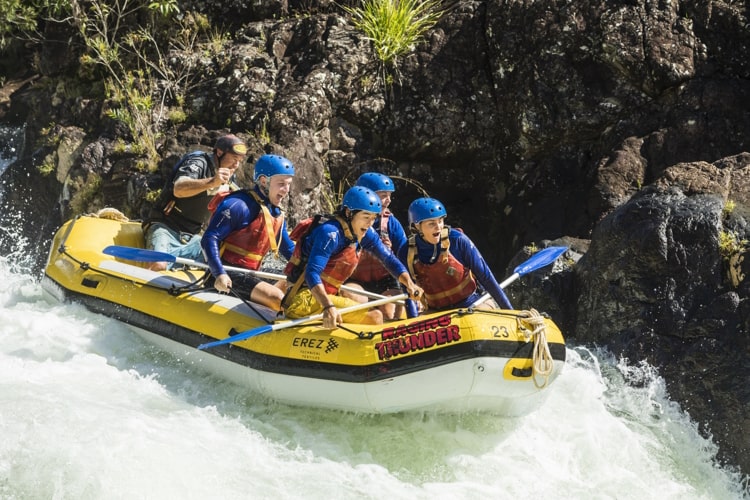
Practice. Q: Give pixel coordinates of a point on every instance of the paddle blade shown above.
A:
(138, 254)
(238, 337)
(539, 260)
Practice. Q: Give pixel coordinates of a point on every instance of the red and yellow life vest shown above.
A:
(247, 246)
(339, 267)
(370, 268)
(445, 282)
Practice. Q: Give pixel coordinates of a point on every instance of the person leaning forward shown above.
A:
(248, 224)
(445, 262)
(370, 273)
(181, 212)
(326, 255)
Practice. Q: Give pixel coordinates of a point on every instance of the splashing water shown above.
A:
(89, 410)
(12, 141)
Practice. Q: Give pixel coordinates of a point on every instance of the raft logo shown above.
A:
(332, 345)
(417, 336)
(314, 348)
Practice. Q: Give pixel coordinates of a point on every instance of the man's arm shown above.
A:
(192, 177)
(286, 245)
(185, 187)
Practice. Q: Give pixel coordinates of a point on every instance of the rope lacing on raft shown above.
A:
(532, 324)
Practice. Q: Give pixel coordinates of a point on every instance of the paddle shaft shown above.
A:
(274, 276)
(345, 310)
(289, 324)
(539, 260)
(145, 255)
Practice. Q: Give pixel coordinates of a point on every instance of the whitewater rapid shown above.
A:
(89, 410)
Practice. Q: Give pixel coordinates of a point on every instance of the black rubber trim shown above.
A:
(400, 365)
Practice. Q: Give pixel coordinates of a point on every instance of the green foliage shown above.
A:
(48, 166)
(125, 45)
(729, 207)
(177, 116)
(262, 132)
(133, 105)
(165, 7)
(87, 196)
(217, 42)
(395, 26)
(730, 244)
(153, 196)
(16, 16)
(19, 18)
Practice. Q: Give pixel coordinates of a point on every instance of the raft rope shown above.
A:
(533, 324)
(248, 304)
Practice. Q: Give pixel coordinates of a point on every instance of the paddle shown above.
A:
(539, 260)
(143, 255)
(281, 326)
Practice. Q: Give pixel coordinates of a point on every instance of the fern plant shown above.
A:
(395, 26)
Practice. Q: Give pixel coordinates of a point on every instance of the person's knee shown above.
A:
(391, 312)
(268, 295)
(157, 266)
(374, 317)
(352, 294)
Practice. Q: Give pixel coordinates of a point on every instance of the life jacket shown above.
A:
(184, 214)
(338, 269)
(247, 246)
(446, 281)
(370, 268)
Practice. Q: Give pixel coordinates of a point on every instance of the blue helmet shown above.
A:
(376, 182)
(270, 165)
(425, 208)
(360, 198)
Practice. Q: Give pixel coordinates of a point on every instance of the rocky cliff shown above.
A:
(618, 127)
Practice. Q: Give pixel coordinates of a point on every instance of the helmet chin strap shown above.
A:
(348, 216)
(263, 189)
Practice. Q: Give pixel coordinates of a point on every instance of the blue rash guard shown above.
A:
(328, 239)
(235, 212)
(396, 233)
(463, 249)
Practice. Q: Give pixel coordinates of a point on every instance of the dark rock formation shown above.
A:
(536, 122)
(655, 285)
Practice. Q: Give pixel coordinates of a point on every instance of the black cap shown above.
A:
(231, 144)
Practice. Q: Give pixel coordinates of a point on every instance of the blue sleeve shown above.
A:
(372, 243)
(463, 249)
(232, 214)
(402, 254)
(286, 246)
(324, 241)
(397, 235)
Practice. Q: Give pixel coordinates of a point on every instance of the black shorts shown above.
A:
(379, 286)
(242, 283)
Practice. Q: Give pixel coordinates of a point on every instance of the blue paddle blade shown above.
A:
(539, 260)
(238, 337)
(138, 254)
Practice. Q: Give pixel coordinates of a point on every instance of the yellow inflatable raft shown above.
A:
(491, 360)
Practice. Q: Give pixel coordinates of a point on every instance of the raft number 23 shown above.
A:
(500, 332)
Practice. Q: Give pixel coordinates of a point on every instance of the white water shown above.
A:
(88, 410)
(11, 139)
